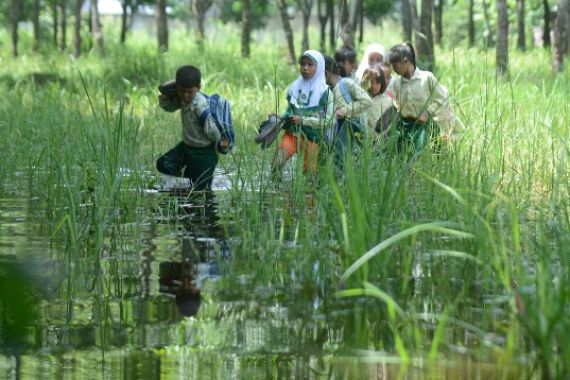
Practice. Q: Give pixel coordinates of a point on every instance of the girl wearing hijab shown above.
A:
(374, 54)
(307, 114)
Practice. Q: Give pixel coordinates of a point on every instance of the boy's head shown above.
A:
(346, 58)
(331, 68)
(188, 83)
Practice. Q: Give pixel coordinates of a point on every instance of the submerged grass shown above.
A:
(463, 253)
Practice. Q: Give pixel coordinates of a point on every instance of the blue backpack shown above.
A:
(220, 109)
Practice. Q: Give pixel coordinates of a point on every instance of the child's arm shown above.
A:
(326, 112)
(360, 101)
(167, 103)
(206, 119)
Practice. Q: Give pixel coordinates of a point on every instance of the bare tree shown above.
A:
(488, 30)
(355, 17)
(344, 18)
(546, 30)
(96, 29)
(323, 14)
(424, 39)
(438, 19)
(15, 17)
(55, 21)
(161, 25)
(288, 30)
(502, 48)
(63, 27)
(470, 23)
(77, 28)
(306, 6)
(199, 8)
(125, 5)
(407, 20)
(245, 28)
(521, 35)
(332, 33)
(560, 36)
(36, 23)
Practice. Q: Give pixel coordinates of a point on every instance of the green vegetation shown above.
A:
(458, 258)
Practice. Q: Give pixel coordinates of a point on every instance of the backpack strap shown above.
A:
(207, 112)
(344, 90)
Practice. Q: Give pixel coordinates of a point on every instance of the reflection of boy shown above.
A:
(177, 279)
(196, 153)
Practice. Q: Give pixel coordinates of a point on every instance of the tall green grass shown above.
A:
(459, 254)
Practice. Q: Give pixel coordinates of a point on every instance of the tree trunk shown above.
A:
(15, 17)
(560, 36)
(199, 8)
(356, 16)
(77, 28)
(55, 22)
(344, 19)
(414, 12)
(361, 30)
(438, 16)
(36, 22)
(521, 35)
(332, 35)
(125, 5)
(306, 7)
(502, 49)
(424, 40)
(96, 28)
(246, 28)
(547, 16)
(323, 15)
(488, 29)
(288, 30)
(161, 25)
(407, 20)
(63, 40)
(470, 24)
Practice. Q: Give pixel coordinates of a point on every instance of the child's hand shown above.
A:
(296, 119)
(224, 144)
(163, 96)
(423, 118)
(341, 113)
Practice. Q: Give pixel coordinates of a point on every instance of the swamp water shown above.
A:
(172, 297)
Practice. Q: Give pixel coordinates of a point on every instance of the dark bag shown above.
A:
(168, 88)
(268, 131)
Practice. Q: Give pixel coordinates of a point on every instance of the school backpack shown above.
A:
(357, 125)
(220, 109)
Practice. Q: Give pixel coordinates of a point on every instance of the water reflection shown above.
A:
(204, 243)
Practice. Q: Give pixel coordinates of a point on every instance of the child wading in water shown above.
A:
(196, 153)
(422, 103)
(306, 116)
(350, 103)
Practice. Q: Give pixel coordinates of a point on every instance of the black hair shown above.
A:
(345, 53)
(401, 51)
(330, 65)
(188, 76)
(377, 73)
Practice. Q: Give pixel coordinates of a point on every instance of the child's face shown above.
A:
(348, 67)
(387, 74)
(375, 58)
(187, 94)
(375, 86)
(400, 67)
(307, 68)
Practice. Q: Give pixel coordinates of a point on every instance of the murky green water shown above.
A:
(172, 296)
